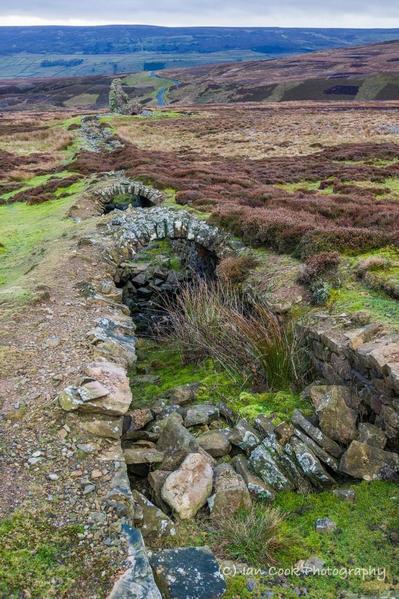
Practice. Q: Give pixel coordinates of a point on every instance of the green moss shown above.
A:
(39, 556)
(167, 364)
(279, 405)
(361, 539)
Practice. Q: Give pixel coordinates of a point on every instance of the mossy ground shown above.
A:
(25, 231)
(356, 295)
(40, 559)
(362, 538)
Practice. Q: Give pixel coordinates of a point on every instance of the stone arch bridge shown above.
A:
(134, 228)
(140, 195)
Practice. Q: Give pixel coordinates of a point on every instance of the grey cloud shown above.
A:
(327, 13)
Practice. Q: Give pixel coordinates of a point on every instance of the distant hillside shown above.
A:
(361, 73)
(80, 51)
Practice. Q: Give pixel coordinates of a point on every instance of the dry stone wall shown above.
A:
(365, 358)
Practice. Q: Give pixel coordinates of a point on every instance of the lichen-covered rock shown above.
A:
(325, 525)
(256, 486)
(187, 489)
(216, 443)
(368, 433)
(106, 391)
(152, 522)
(264, 425)
(230, 492)
(337, 420)
(201, 414)
(316, 434)
(176, 442)
(137, 582)
(369, 463)
(310, 465)
(317, 450)
(188, 573)
(265, 463)
(244, 436)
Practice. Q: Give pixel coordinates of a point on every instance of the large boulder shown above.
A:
(176, 442)
(152, 522)
(371, 434)
(142, 455)
(216, 443)
(188, 573)
(337, 420)
(183, 394)
(187, 489)
(362, 460)
(230, 492)
(135, 421)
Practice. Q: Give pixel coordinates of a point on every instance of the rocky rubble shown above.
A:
(197, 460)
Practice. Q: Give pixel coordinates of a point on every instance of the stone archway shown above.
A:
(156, 253)
(136, 227)
(135, 192)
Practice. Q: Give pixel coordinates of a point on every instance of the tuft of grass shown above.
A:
(239, 333)
(252, 535)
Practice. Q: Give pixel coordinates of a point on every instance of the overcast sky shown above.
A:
(285, 13)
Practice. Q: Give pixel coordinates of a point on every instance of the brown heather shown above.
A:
(242, 196)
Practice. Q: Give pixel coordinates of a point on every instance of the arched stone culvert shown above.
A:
(135, 228)
(156, 251)
(126, 192)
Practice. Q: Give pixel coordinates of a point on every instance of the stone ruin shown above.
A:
(119, 101)
(182, 456)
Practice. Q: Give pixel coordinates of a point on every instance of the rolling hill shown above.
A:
(85, 51)
(362, 73)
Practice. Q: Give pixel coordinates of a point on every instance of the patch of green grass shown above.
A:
(35, 181)
(84, 99)
(355, 297)
(305, 185)
(24, 233)
(37, 557)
